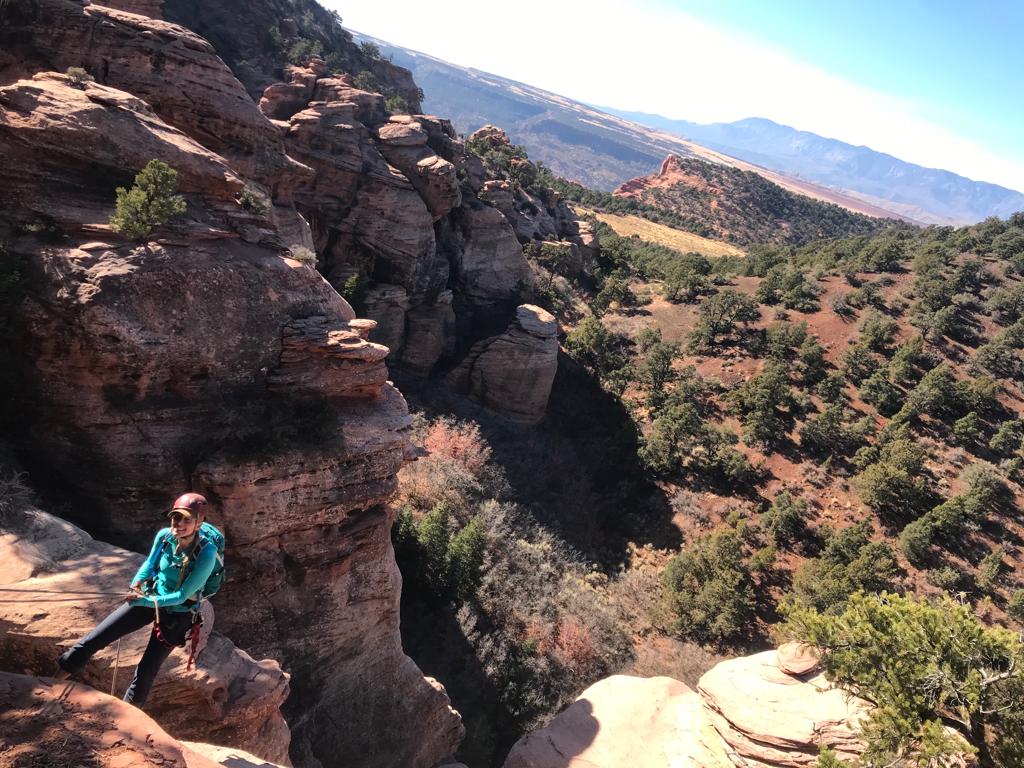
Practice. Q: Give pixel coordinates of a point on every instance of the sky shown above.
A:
(934, 82)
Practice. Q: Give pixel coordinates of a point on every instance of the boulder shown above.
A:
(771, 718)
(403, 142)
(51, 572)
(229, 757)
(527, 215)
(797, 659)
(622, 721)
(512, 373)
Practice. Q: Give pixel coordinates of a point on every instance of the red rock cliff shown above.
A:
(205, 358)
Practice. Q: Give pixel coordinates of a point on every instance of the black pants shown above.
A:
(125, 620)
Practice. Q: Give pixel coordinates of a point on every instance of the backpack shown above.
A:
(208, 536)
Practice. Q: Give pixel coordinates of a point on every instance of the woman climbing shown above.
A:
(184, 565)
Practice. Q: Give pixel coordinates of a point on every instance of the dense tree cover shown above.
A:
(446, 565)
(927, 667)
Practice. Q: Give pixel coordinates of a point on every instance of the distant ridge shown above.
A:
(602, 150)
(927, 194)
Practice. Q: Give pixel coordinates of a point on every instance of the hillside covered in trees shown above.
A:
(742, 206)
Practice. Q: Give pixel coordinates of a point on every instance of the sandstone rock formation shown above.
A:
(512, 373)
(652, 722)
(45, 721)
(771, 718)
(205, 359)
(169, 67)
(746, 713)
(50, 571)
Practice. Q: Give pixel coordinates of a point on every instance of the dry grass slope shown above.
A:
(684, 242)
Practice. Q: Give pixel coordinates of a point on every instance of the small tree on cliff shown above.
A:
(152, 201)
(929, 668)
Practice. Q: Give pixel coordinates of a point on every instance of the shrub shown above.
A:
(826, 433)
(786, 519)
(877, 332)
(989, 569)
(909, 358)
(945, 577)
(78, 77)
(396, 104)
(596, 347)
(254, 201)
(1007, 439)
(354, 291)
(686, 277)
(832, 389)
(813, 366)
(655, 370)
(948, 663)
(758, 402)
(967, 431)
(849, 563)
(151, 201)
(880, 392)
(1015, 605)
(303, 255)
(708, 590)
(616, 291)
(859, 362)
(719, 316)
(894, 482)
(916, 541)
(437, 564)
(369, 49)
(459, 441)
(303, 49)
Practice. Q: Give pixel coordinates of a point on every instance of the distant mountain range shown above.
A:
(926, 194)
(602, 148)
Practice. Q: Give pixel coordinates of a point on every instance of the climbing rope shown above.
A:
(117, 660)
(86, 595)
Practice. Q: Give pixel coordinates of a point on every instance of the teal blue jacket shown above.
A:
(165, 571)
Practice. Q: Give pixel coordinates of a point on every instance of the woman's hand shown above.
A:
(133, 594)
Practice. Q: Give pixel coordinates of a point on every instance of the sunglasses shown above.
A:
(177, 517)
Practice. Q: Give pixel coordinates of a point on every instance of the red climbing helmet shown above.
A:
(188, 503)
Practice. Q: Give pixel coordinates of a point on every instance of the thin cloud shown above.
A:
(661, 60)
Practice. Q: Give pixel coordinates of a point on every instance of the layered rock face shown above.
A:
(387, 202)
(44, 721)
(746, 713)
(54, 576)
(176, 72)
(513, 372)
(206, 359)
